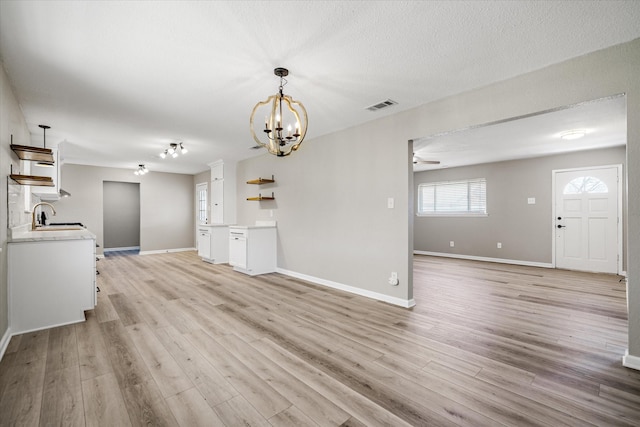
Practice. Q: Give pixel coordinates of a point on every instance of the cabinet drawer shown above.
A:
(233, 233)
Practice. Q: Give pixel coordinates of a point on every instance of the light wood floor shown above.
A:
(176, 341)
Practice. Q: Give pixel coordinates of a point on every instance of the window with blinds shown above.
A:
(451, 198)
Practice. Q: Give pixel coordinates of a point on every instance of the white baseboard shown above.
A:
(127, 248)
(486, 259)
(351, 289)
(630, 361)
(166, 251)
(4, 342)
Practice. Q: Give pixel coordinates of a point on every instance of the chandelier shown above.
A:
(173, 150)
(285, 121)
(142, 170)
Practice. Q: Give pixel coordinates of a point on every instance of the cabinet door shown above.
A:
(217, 202)
(238, 252)
(217, 172)
(204, 244)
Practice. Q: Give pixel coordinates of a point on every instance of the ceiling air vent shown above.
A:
(381, 105)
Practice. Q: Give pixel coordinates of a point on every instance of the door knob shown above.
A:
(561, 226)
(559, 218)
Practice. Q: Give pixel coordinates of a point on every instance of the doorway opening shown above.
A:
(121, 218)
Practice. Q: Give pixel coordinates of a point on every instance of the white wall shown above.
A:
(331, 195)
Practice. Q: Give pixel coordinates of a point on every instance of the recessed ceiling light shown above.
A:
(573, 134)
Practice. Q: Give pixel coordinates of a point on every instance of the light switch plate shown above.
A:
(531, 200)
(390, 202)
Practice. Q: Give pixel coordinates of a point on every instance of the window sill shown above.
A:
(453, 215)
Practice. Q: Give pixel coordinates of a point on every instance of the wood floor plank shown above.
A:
(191, 410)
(63, 348)
(142, 397)
(167, 374)
(62, 402)
(33, 345)
(21, 400)
(125, 308)
(212, 384)
(315, 406)
(341, 395)
(239, 412)
(103, 402)
(259, 393)
(92, 353)
(291, 417)
(104, 311)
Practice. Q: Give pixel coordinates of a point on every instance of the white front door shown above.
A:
(201, 203)
(586, 219)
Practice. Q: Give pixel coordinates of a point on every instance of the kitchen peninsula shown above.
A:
(52, 277)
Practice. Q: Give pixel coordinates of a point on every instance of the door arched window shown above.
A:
(585, 184)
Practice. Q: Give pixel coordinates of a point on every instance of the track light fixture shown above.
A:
(174, 149)
(142, 170)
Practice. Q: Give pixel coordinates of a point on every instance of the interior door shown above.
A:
(586, 219)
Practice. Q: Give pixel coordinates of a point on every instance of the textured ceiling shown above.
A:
(119, 81)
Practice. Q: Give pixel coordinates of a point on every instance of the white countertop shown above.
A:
(214, 225)
(246, 227)
(51, 233)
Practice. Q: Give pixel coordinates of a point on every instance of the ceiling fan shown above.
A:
(418, 161)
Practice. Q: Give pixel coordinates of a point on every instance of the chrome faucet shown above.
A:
(33, 213)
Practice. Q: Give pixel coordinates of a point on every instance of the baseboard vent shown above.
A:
(381, 105)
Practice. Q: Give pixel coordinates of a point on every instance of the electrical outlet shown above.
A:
(451, 244)
(393, 280)
(499, 245)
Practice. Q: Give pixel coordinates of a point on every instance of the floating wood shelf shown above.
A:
(40, 181)
(261, 197)
(34, 154)
(260, 181)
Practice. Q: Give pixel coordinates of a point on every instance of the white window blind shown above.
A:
(465, 197)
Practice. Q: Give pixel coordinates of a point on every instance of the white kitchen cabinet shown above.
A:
(217, 171)
(204, 243)
(253, 249)
(223, 192)
(217, 202)
(213, 243)
(51, 282)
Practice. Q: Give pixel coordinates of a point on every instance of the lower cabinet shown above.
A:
(51, 283)
(213, 243)
(253, 250)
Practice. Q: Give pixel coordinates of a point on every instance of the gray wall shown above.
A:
(166, 204)
(331, 208)
(11, 123)
(331, 195)
(524, 230)
(121, 209)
